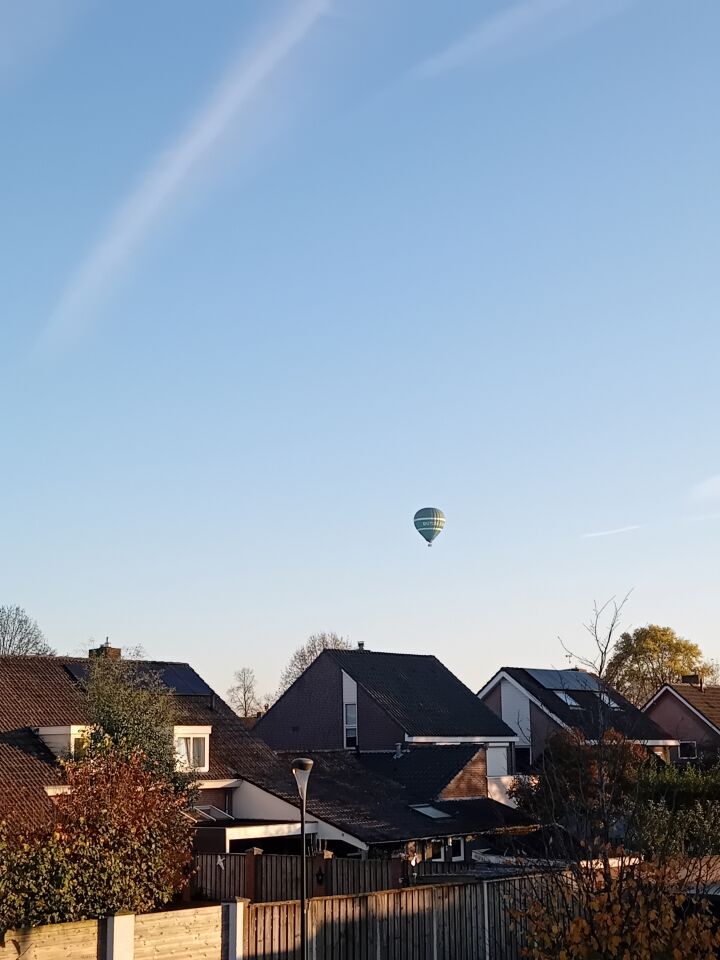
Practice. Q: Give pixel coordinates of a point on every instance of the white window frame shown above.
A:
(680, 746)
(193, 733)
(441, 858)
(462, 848)
(350, 726)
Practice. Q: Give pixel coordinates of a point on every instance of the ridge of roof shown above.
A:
(631, 721)
(426, 700)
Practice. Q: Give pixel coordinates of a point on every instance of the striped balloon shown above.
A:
(429, 523)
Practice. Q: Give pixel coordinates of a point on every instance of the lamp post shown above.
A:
(301, 768)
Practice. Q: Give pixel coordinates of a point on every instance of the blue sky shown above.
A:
(275, 275)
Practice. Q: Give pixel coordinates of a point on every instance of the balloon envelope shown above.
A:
(429, 523)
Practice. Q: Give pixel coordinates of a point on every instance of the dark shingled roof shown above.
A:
(421, 694)
(593, 714)
(425, 770)
(344, 792)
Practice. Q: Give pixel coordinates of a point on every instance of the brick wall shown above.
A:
(681, 723)
(309, 715)
(470, 782)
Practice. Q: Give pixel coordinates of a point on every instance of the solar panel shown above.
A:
(565, 679)
(178, 677)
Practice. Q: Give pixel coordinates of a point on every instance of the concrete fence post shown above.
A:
(120, 937)
(236, 928)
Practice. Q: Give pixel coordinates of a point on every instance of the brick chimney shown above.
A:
(105, 650)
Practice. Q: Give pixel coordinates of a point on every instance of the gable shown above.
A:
(681, 720)
(421, 695)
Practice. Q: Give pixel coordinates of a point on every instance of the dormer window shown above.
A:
(192, 748)
(69, 741)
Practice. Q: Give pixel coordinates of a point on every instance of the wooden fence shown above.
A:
(266, 878)
(458, 921)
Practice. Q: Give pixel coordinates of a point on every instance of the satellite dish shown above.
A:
(429, 523)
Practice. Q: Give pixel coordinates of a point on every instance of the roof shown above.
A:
(41, 691)
(344, 792)
(421, 694)
(425, 770)
(706, 700)
(591, 713)
(373, 805)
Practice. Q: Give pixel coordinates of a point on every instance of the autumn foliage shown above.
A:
(119, 841)
(641, 912)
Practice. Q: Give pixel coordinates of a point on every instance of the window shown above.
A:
(431, 812)
(688, 750)
(79, 747)
(192, 748)
(522, 759)
(350, 724)
(457, 848)
(436, 849)
(566, 698)
(608, 701)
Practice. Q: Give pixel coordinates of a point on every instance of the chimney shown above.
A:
(105, 650)
(693, 679)
(361, 644)
(398, 751)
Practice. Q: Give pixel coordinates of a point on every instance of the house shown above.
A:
(368, 702)
(421, 805)
(690, 712)
(247, 794)
(539, 703)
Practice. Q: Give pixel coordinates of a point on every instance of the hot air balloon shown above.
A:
(429, 522)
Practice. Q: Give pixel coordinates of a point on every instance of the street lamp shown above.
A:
(301, 768)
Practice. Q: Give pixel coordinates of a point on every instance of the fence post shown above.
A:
(486, 919)
(321, 884)
(120, 937)
(236, 928)
(250, 865)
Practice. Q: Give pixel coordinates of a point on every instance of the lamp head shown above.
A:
(301, 768)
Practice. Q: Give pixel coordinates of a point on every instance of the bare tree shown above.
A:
(20, 636)
(242, 696)
(309, 651)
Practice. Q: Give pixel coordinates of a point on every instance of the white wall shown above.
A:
(515, 706)
(497, 760)
(251, 803)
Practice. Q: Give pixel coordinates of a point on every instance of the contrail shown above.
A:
(609, 533)
(513, 23)
(168, 175)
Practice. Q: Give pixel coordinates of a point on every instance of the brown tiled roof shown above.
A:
(40, 691)
(706, 700)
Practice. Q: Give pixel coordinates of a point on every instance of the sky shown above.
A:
(277, 274)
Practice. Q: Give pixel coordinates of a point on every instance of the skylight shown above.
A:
(432, 812)
(566, 698)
